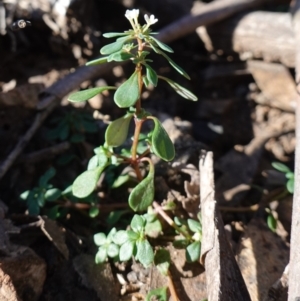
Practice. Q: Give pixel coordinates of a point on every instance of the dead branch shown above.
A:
(294, 273)
(224, 279)
(205, 15)
(264, 35)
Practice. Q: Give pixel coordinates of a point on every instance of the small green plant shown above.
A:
(288, 174)
(72, 126)
(59, 200)
(134, 45)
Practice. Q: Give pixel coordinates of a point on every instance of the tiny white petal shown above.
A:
(150, 20)
(132, 14)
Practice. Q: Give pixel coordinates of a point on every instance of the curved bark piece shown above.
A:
(224, 279)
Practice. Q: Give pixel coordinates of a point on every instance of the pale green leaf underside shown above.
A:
(185, 93)
(114, 34)
(162, 145)
(145, 253)
(128, 93)
(85, 183)
(87, 94)
(117, 131)
(113, 47)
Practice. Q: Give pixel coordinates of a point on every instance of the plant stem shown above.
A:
(172, 288)
(166, 217)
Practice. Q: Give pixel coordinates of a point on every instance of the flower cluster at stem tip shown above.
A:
(132, 16)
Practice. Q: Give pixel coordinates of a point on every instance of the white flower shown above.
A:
(132, 16)
(151, 20)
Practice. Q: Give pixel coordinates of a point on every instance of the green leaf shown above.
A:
(194, 225)
(64, 132)
(126, 251)
(120, 180)
(158, 294)
(272, 222)
(128, 93)
(115, 34)
(180, 243)
(98, 61)
(137, 223)
(162, 260)
(185, 93)
(171, 62)
(143, 194)
(151, 75)
(50, 173)
(162, 45)
(290, 185)
(33, 208)
(114, 216)
(99, 160)
(113, 47)
(132, 236)
(77, 138)
(290, 175)
(54, 213)
(280, 167)
(87, 94)
(111, 234)
(120, 237)
(85, 183)
(52, 194)
(145, 253)
(153, 229)
(24, 195)
(193, 251)
(99, 239)
(117, 131)
(101, 255)
(112, 250)
(162, 145)
(120, 56)
(40, 197)
(93, 212)
(93, 163)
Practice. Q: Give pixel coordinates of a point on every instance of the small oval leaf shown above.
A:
(113, 47)
(128, 93)
(280, 167)
(117, 131)
(143, 194)
(151, 75)
(85, 183)
(145, 253)
(52, 194)
(126, 251)
(120, 56)
(162, 145)
(87, 94)
(193, 251)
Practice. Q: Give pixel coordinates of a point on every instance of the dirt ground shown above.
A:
(50, 256)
